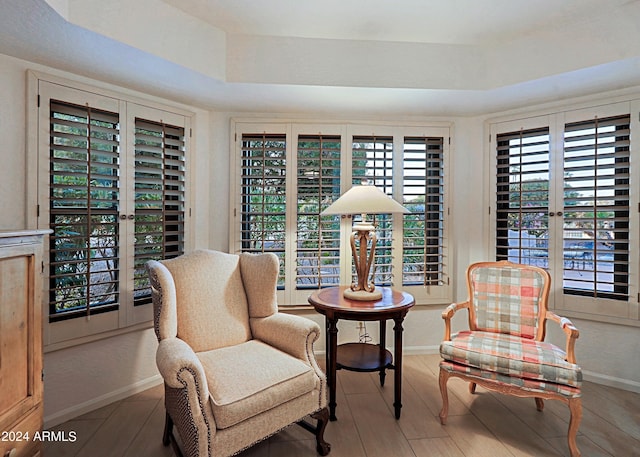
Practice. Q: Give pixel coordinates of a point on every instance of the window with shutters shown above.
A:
(317, 237)
(372, 163)
(596, 208)
(522, 197)
(113, 192)
(287, 174)
(424, 260)
(159, 182)
(84, 194)
(562, 203)
(263, 199)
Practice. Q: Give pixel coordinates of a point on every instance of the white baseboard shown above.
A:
(611, 381)
(74, 411)
(408, 350)
(420, 350)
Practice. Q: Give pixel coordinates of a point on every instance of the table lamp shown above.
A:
(364, 199)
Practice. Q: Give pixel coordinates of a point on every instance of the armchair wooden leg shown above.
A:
(472, 388)
(168, 427)
(168, 438)
(322, 417)
(444, 412)
(575, 406)
(539, 404)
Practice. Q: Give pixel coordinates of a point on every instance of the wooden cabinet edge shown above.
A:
(26, 416)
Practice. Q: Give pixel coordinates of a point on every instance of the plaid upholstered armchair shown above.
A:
(504, 349)
(235, 370)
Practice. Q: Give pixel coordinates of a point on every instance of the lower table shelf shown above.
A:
(363, 357)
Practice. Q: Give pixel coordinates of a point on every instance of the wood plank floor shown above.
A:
(484, 424)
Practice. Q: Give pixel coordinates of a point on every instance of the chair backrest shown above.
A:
(200, 298)
(508, 298)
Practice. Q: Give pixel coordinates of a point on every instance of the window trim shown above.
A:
(71, 332)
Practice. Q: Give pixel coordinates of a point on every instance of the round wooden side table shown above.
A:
(365, 357)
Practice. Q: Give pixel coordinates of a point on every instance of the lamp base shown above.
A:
(362, 295)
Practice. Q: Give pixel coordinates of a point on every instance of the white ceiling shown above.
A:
(507, 53)
(416, 21)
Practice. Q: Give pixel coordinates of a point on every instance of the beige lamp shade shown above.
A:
(364, 199)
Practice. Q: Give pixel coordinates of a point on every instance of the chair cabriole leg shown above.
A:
(322, 417)
(575, 407)
(444, 412)
(539, 404)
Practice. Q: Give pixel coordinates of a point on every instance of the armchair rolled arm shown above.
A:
(174, 357)
(448, 313)
(292, 334)
(570, 330)
(186, 392)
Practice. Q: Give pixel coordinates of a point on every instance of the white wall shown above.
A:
(12, 146)
(82, 378)
(220, 198)
(608, 354)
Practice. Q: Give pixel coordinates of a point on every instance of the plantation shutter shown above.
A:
(372, 161)
(596, 208)
(159, 200)
(84, 253)
(263, 199)
(318, 237)
(423, 195)
(522, 206)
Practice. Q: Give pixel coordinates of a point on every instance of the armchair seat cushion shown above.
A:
(250, 378)
(511, 356)
(529, 385)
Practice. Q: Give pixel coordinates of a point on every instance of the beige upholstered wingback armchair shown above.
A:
(236, 371)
